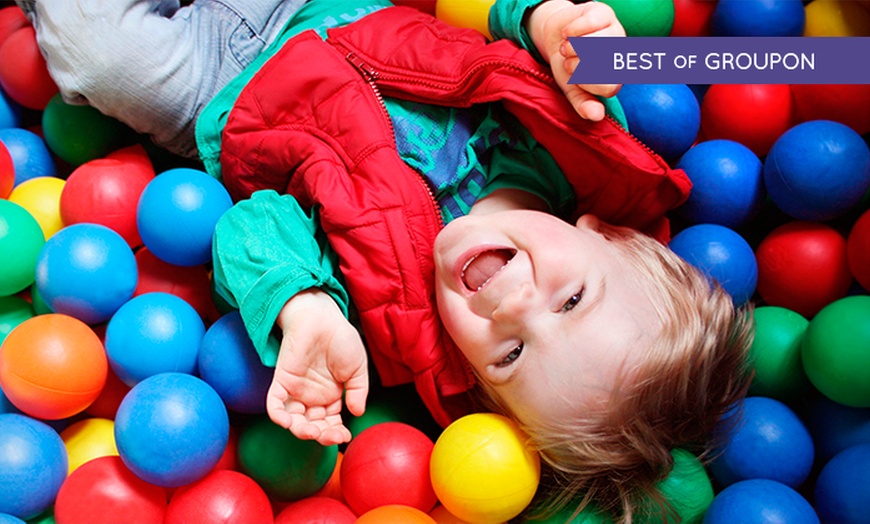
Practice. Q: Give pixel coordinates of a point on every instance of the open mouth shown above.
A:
(482, 267)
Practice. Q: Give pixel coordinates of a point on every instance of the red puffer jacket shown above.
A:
(311, 123)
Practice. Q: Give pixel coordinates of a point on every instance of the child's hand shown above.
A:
(550, 25)
(321, 355)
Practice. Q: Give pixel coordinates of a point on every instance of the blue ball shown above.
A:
(153, 333)
(10, 112)
(229, 363)
(171, 429)
(768, 441)
(31, 157)
(86, 271)
(723, 255)
(842, 492)
(666, 117)
(760, 501)
(33, 465)
(10, 519)
(758, 18)
(817, 170)
(835, 426)
(177, 214)
(727, 184)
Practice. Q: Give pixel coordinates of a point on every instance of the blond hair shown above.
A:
(692, 374)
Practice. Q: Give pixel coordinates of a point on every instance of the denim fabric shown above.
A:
(153, 64)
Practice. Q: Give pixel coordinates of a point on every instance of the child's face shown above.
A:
(546, 312)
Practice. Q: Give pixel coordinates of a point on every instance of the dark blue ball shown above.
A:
(723, 255)
(842, 492)
(727, 184)
(31, 157)
(666, 117)
(835, 426)
(760, 501)
(818, 170)
(758, 18)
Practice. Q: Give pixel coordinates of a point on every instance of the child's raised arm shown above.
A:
(550, 24)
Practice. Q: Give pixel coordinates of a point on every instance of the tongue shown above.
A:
(484, 266)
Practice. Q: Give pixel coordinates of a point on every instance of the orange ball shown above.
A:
(395, 514)
(52, 366)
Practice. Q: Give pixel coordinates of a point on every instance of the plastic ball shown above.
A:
(836, 18)
(644, 17)
(191, 283)
(817, 170)
(86, 271)
(153, 333)
(835, 351)
(177, 214)
(802, 266)
(288, 468)
(106, 404)
(106, 191)
(776, 354)
(33, 465)
(687, 488)
(12, 19)
(858, 250)
(88, 439)
(332, 488)
(753, 114)
(41, 197)
(722, 254)
(768, 441)
(427, 6)
(727, 184)
(171, 429)
(395, 514)
(835, 427)
(316, 510)
(80, 133)
(769, 18)
(52, 366)
(228, 361)
(21, 240)
(105, 491)
(666, 117)
(13, 311)
(7, 172)
(10, 112)
(844, 103)
(472, 14)
(483, 468)
(760, 501)
(692, 17)
(23, 73)
(221, 496)
(30, 156)
(842, 491)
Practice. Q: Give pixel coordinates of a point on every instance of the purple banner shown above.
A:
(722, 60)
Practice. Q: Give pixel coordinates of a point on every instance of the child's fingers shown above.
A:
(357, 389)
(595, 18)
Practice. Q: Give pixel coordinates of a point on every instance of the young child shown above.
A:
(606, 347)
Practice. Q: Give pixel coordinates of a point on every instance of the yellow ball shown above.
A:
(41, 197)
(836, 18)
(89, 439)
(472, 14)
(483, 470)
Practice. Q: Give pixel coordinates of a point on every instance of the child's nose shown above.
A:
(515, 305)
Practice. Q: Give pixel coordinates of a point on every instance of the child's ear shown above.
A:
(588, 221)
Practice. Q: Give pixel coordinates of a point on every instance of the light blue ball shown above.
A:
(760, 501)
(665, 117)
(153, 333)
(842, 492)
(33, 465)
(10, 112)
(177, 214)
(86, 271)
(30, 155)
(171, 429)
(758, 18)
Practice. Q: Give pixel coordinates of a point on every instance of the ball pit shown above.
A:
(770, 18)
(191, 283)
(836, 18)
(21, 240)
(666, 117)
(80, 133)
(760, 501)
(23, 74)
(30, 156)
(692, 17)
(776, 354)
(41, 197)
(89, 439)
(316, 510)
(13, 311)
(395, 514)
(835, 427)
(221, 496)
(842, 491)
(754, 115)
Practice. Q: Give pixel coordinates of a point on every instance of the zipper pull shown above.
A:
(367, 71)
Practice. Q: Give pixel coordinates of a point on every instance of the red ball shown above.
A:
(222, 496)
(427, 6)
(847, 104)
(802, 266)
(858, 250)
(692, 17)
(106, 404)
(23, 73)
(386, 464)
(753, 114)
(7, 172)
(104, 491)
(191, 283)
(229, 459)
(106, 191)
(316, 510)
(11, 19)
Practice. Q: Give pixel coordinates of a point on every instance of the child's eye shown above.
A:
(511, 357)
(574, 300)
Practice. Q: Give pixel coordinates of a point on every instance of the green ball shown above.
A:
(687, 488)
(589, 515)
(77, 134)
(13, 311)
(776, 354)
(644, 17)
(286, 467)
(836, 351)
(21, 239)
(38, 303)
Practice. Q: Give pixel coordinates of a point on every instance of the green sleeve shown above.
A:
(265, 250)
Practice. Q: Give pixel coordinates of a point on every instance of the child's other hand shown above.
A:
(321, 356)
(550, 25)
